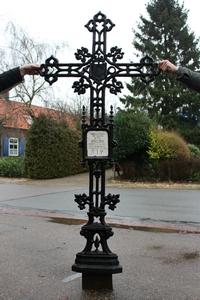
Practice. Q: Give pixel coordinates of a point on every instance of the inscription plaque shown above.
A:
(97, 143)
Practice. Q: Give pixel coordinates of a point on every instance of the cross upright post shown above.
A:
(97, 71)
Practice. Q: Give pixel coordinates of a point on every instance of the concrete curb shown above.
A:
(119, 222)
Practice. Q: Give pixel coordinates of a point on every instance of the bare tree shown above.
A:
(74, 107)
(22, 49)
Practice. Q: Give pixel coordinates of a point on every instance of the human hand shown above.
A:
(29, 69)
(167, 66)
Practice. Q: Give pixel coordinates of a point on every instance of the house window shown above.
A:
(13, 147)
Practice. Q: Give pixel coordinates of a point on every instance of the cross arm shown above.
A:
(146, 70)
(52, 69)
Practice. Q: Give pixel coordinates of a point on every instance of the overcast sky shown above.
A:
(63, 21)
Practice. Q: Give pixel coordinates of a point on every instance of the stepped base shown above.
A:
(97, 269)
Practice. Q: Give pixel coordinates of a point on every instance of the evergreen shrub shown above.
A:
(12, 167)
(131, 133)
(195, 162)
(194, 151)
(190, 134)
(52, 150)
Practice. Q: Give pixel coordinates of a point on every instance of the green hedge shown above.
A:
(194, 150)
(131, 132)
(52, 150)
(190, 134)
(12, 167)
(170, 156)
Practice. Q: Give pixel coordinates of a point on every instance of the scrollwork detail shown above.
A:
(82, 200)
(111, 201)
(115, 87)
(80, 86)
(115, 54)
(83, 55)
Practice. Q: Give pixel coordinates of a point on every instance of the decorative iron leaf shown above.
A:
(81, 200)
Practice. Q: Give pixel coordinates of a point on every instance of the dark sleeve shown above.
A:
(10, 78)
(190, 78)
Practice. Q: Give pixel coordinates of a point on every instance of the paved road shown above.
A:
(169, 205)
(36, 258)
(36, 255)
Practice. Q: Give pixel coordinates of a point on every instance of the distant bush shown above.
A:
(190, 134)
(195, 163)
(167, 145)
(52, 150)
(194, 150)
(170, 156)
(131, 132)
(12, 167)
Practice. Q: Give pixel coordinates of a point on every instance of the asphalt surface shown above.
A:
(160, 204)
(37, 248)
(162, 207)
(36, 256)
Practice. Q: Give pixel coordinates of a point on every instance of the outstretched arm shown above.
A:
(14, 76)
(190, 78)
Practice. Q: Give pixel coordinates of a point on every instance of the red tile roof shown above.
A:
(16, 114)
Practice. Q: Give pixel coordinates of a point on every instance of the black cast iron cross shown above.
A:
(97, 71)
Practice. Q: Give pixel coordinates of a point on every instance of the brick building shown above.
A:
(15, 120)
